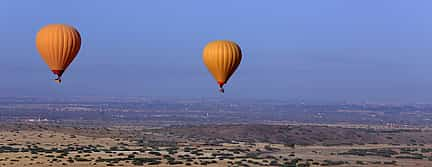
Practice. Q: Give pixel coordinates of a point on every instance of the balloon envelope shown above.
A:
(222, 58)
(58, 45)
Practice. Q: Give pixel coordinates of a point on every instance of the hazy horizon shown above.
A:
(326, 50)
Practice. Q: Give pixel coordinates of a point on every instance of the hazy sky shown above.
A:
(368, 50)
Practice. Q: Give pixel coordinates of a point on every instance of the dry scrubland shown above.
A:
(212, 145)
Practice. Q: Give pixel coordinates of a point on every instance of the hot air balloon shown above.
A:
(58, 45)
(222, 58)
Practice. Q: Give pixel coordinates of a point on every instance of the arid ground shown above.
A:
(37, 144)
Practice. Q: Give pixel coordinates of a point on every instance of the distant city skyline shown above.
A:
(331, 50)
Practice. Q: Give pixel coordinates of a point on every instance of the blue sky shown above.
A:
(369, 50)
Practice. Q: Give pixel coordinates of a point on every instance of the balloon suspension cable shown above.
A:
(58, 79)
(221, 89)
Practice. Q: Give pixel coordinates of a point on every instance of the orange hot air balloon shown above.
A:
(222, 58)
(58, 45)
